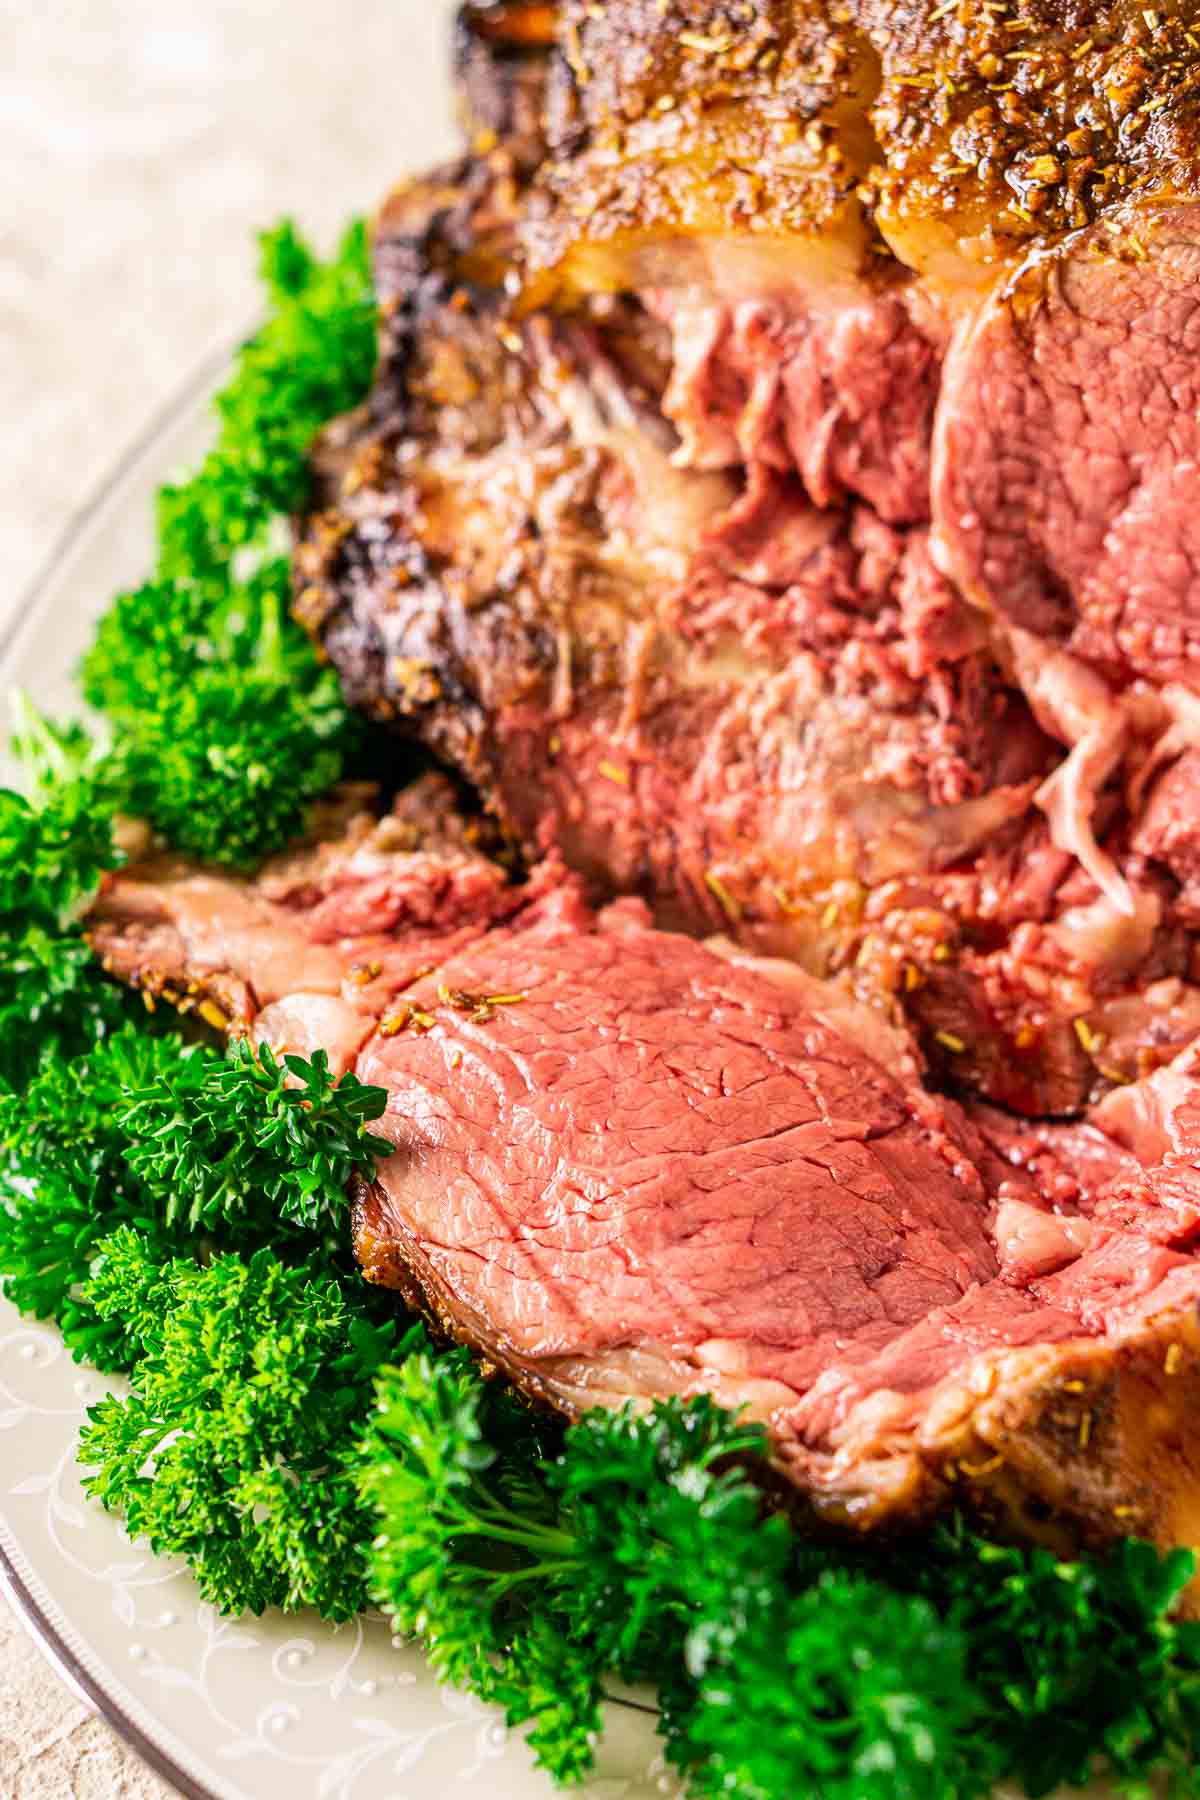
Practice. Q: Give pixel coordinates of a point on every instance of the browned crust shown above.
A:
(1003, 124)
(689, 121)
(378, 564)
(392, 1258)
(1073, 1446)
(1106, 93)
(153, 960)
(428, 235)
(1097, 1441)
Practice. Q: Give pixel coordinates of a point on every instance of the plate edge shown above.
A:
(200, 378)
(85, 1686)
(43, 1633)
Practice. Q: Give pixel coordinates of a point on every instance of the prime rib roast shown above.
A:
(779, 501)
(631, 1163)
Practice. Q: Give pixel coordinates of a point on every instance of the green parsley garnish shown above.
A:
(181, 1142)
(65, 1184)
(222, 1140)
(226, 727)
(640, 1551)
(247, 1408)
(55, 848)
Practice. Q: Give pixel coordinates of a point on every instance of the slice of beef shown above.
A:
(629, 1165)
(1067, 447)
(1064, 499)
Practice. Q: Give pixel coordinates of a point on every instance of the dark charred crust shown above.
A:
(395, 666)
(433, 630)
(367, 588)
(454, 225)
(502, 54)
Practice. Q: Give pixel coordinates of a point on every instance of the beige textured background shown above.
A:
(141, 144)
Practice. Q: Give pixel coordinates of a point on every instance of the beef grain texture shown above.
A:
(631, 1165)
(1075, 520)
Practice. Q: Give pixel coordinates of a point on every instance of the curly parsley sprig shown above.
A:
(640, 1550)
(56, 846)
(537, 1566)
(642, 1553)
(247, 1137)
(226, 727)
(237, 1447)
(181, 1142)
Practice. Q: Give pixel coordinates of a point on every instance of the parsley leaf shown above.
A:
(237, 1447)
(55, 849)
(640, 1549)
(65, 1184)
(846, 1690)
(181, 1143)
(453, 1548)
(644, 1552)
(1078, 1664)
(226, 1140)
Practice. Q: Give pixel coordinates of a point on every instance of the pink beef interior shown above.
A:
(854, 621)
(656, 1127)
(631, 1163)
(1067, 441)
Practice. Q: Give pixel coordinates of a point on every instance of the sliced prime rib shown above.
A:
(828, 202)
(630, 1164)
(747, 693)
(824, 194)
